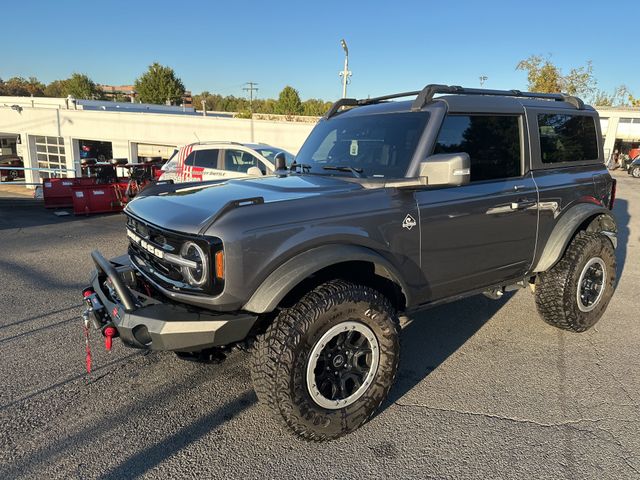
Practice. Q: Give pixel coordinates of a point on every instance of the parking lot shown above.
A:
(485, 388)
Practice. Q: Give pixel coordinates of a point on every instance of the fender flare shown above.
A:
(566, 228)
(288, 275)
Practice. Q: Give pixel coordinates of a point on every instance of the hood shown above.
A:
(189, 207)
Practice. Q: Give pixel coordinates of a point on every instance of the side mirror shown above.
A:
(280, 161)
(453, 169)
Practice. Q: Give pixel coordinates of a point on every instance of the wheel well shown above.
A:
(360, 272)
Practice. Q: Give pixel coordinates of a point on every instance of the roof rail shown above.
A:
(352, 102)
(215, 142)
(426, 95)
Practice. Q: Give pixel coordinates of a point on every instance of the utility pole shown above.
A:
(483, 78)
(250, 88)
(345, 74)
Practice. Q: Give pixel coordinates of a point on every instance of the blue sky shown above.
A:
(394, 46)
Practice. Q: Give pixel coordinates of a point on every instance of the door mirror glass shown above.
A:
(280, 161)
(451, 169)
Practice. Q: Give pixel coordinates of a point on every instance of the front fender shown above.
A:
(288, 275)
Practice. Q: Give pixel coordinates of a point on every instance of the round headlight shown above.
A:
(197, 276)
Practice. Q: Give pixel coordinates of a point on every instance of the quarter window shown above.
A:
(567, 138)
(491, 141)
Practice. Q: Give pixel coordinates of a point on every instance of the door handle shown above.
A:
(522, 204)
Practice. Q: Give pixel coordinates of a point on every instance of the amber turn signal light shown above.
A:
(220, 264)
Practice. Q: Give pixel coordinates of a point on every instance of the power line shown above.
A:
(250, 88)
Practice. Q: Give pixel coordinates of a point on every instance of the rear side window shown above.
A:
(567, 138)
(492, 142)
(207, 158)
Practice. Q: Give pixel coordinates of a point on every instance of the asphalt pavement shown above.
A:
(486, 389)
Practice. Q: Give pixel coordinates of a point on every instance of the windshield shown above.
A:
(270, 153)
(377, 145)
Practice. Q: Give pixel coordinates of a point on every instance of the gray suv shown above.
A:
(390, 207)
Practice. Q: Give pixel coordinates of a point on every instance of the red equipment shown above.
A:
(99, 198)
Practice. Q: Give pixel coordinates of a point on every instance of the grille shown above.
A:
(159, 270)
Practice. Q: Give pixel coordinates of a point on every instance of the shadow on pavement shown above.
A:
(24, 213)
(621, 212)
(435, 334)
(148, 458)
(129, 412)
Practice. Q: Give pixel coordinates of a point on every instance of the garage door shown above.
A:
(51, 154)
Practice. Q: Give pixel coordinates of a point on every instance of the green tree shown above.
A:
(159, 85)
(21, 87)
(289, 102)
(55, 89)
(315, 107)
(80, 86)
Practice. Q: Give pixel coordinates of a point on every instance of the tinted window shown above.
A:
(239, 161)
(492, 142)
(380, 145)
(207, 158)
(567, 138)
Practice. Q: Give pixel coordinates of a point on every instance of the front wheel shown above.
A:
(635, 171)
(575, 292)
(326, 364)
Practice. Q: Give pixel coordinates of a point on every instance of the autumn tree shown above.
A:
(22, 87)
(159, 85)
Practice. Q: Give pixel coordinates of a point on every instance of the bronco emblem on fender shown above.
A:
(409, 222)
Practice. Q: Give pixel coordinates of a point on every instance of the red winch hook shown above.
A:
(109, 333)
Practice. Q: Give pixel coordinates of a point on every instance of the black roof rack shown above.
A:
(426, 95)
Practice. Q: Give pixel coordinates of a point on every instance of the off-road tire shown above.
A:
(281, 356)
(556, 289)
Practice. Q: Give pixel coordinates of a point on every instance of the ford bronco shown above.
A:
(389, 207)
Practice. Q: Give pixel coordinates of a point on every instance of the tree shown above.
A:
(289, 102)
(55, 89)
(542, 75)
(315, 107)
(78, 85)
(159, 85)
(602, 99)
(21, 87)
(545, 77)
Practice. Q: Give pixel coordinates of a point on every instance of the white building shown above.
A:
(50, 132)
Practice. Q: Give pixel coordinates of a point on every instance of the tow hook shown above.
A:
(109, 332)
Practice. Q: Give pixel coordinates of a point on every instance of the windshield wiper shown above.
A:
(357, 172)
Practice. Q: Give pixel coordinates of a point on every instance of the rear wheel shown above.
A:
(635, 171)
(326, 364)
(574, 294)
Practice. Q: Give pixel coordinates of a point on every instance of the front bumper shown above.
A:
(153, 322)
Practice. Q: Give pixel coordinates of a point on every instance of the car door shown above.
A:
(237, 162)
(204, 164)
(482, 233)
